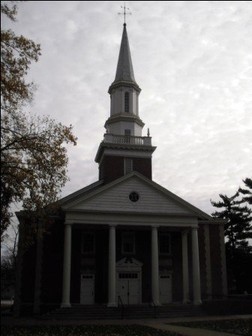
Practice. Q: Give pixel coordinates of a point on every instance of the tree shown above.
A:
(33, 153)
(248, 193)
(238, 226)
(238, 231)
(8, 263)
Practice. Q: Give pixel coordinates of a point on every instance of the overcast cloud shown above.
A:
(193, 62)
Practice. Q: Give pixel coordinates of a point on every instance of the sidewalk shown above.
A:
(186, 331)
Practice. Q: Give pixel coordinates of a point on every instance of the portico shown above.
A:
(123, 234)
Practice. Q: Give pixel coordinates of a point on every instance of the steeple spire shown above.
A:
(124, 71)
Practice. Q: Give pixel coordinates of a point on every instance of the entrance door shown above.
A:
(87, 289)
(165, 287)
(129, 288)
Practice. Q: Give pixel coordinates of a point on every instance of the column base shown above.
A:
(65, 305)
(112, 304)
(155, 304)
(197, 303)
(186, 302)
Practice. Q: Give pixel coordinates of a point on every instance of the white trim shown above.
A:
(129, 219)
(126, 152)
(129, 264)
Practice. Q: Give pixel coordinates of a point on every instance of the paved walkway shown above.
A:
(161, 324)
(185, 331)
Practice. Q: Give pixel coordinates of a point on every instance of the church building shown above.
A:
(124, 239)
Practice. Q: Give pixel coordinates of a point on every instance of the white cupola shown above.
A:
(124, 91)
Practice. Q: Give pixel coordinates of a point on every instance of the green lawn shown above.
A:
(133, 330)
(237, 326)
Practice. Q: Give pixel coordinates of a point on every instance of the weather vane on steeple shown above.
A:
(125, 13)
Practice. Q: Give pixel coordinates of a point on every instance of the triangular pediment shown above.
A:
(129, 263)
(133, 193)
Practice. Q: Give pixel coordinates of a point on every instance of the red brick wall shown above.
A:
(112, 167)
(143, 166)
(52, 263)
(215, 253)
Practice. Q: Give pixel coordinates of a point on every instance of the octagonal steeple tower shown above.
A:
(124, 149)
(124, 92)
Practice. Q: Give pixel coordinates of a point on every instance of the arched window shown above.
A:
(126, 101)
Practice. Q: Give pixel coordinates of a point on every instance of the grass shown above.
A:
(237, 326)
(133, 330)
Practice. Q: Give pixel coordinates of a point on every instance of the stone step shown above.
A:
(95, 312)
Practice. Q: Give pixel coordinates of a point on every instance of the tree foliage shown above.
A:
(237, 212)
(238, 228)
(33, 152)
(247, 192)
(8, 262)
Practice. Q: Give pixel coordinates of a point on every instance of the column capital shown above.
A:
(68, 223)
(112, 225)
(155, 226)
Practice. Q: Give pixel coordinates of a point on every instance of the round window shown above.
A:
(134, 196)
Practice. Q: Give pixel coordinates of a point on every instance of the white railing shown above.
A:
(127, 139)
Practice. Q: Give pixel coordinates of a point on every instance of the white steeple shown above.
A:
(124, 91)
(123, 148)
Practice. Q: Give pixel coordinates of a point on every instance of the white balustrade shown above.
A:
(127, 139)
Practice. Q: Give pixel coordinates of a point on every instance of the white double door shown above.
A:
(165, 288)
(129, 287)
(87, 289)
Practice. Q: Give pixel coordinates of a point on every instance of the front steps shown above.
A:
(102, 312)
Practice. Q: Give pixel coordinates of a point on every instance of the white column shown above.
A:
(223, 261)
(155, 266)
(67, 267)
(208, 261)
(196, 267)
(112, 302)
(185, 267)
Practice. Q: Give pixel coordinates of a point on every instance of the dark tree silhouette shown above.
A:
(238, 232)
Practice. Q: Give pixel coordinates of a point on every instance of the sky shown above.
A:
(193, 62)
